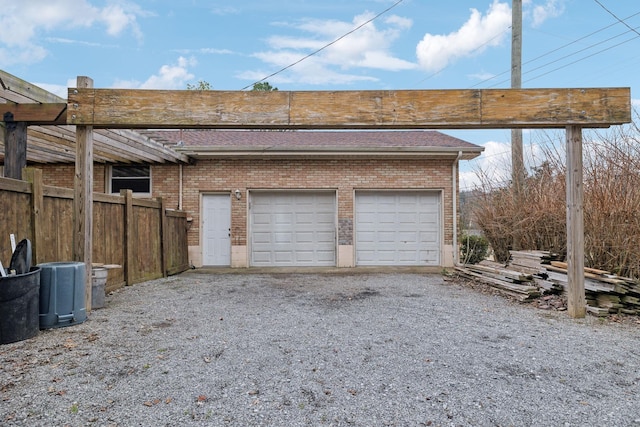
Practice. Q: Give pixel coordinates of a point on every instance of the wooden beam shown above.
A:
(576, 301)
(21, 91)
(83, 199)
(47, 114)
(406, 109)
(15, 147)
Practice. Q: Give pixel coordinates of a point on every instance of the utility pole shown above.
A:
(517, 156)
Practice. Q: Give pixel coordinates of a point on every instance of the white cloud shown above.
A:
(369, 47)
(227, 10)
(172, 77)
(551, 9)
(481, 76)
(22, 22)
(119, 17)
(435, 52)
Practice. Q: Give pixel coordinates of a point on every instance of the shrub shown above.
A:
(473, 248)
(534, 217)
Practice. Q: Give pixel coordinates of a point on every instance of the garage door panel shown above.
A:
(366, 237)
(407, 217)
(408, 236)
(301, 226)
(303, 237)
(325, 236)
(399, 228)
(262, 218)
(281, 257)
(386, 237)
(259, 238)
(282, 237)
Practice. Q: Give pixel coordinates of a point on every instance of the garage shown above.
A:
(292, 228)
(398, 228)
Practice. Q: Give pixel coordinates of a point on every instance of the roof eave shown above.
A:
(468, 153)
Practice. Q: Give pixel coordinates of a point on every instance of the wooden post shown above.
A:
(164, 246)
(34, 176)
(83, 198)
(129, 230)
(576, 300)
(15, 147)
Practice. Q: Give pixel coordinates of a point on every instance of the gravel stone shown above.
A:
(333, 349)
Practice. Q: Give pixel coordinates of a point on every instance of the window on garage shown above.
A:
(136, 178)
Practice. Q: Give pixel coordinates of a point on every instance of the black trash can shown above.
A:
(19, 306)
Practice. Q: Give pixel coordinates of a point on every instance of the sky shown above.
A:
(327, 45)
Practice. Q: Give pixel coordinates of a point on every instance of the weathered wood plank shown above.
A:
(129, 233)
(15, 147)
(49, 114)
(34, 176)
(164, 237)
(14, 185)
(556, 107)
(576, 303)
(415, 109)
(21, 91)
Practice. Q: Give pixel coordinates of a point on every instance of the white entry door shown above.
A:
(216, 229)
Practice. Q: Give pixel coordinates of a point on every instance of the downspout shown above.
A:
(454, 188)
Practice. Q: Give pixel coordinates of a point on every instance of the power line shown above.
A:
(614, 15)
(581, 59)
(572, 54)
(556, 50)
(327, 45)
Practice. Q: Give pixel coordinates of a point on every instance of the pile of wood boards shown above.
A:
(528, 274)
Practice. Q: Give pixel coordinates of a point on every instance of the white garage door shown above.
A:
(398, 228)
(293, 228)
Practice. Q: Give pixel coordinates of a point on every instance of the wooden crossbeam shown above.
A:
(48, 114)
(401, 109)
(21, 91)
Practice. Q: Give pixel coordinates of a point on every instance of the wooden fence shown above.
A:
(142, 237)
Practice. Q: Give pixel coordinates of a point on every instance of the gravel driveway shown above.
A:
(339, 349)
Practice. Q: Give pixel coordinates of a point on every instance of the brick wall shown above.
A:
(345, 176)
(61, 175)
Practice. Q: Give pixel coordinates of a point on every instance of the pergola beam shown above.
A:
(49, 114)
(402, 109)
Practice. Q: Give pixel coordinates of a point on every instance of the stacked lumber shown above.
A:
(532, 273)
(606, 293)
(514, 283)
